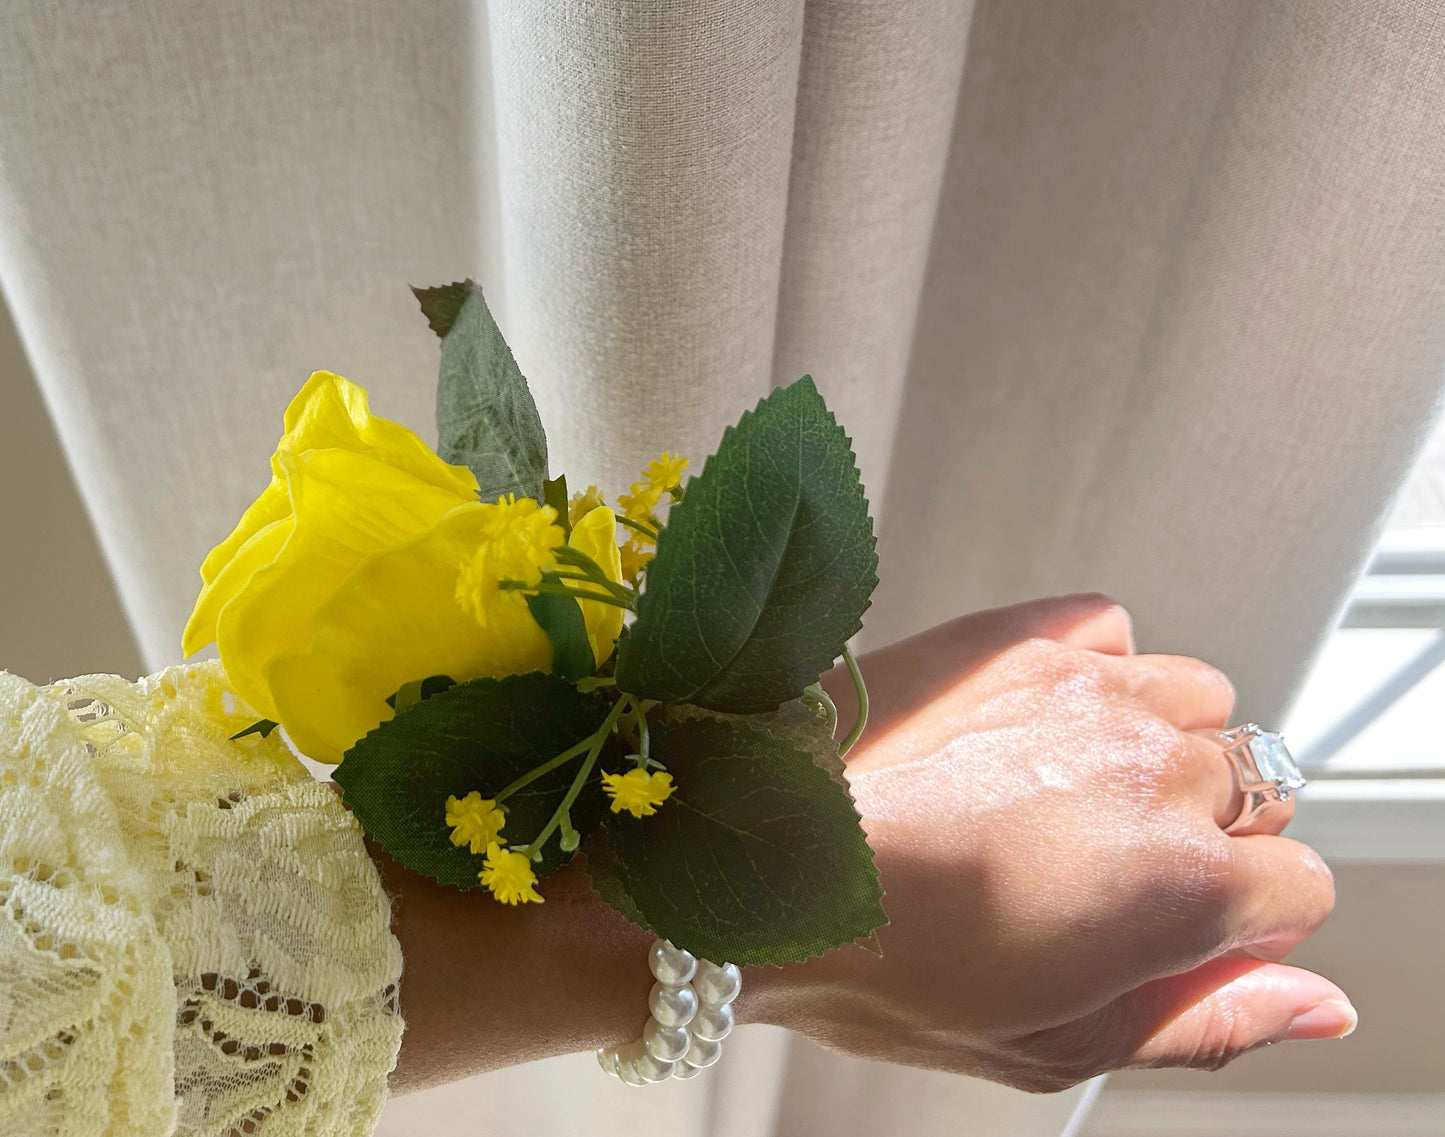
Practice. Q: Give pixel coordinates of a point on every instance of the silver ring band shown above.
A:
(1263, 769)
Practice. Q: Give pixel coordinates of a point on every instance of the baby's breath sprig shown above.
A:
(562, 812)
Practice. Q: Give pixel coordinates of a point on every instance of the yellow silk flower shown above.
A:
(340, 582)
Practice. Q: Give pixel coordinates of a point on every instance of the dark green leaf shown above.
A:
(486, 418)
(263, 727)
(764, 569)
(440, 305)
(561, 618)
(757, 857)
(475, 736)
(422, 689)
(554, 493)
(602, 873)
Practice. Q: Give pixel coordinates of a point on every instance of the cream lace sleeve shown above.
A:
(193, 938)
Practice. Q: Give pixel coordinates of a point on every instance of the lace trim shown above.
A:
(194, 938)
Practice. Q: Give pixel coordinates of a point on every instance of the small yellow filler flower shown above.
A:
(509, 875)
(475, 821)
(661, 476)
(637, 791)
(583, 503)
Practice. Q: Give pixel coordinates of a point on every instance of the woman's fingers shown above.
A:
(1216, 1012)
(1282, 891)
(1214, 782)
(1087, 621)
(1186, 692)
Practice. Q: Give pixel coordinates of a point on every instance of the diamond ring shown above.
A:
(1264, 770)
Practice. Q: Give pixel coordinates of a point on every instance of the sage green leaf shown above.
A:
(764, 569)
(263, 727)
(561, 618)
(479, 736)
(440, 305)
(758, 857)
(486, 419)
(554, 493)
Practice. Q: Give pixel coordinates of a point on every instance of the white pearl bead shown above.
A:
(667, 1043)
(713, 1023)
(717, 984)
(628, 1073)
(672, 1006)
(703, 1052)
(607, 1059)
(683, 1070)
(670, 965)
(653, 1069)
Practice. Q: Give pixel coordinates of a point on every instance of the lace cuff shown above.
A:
(192, 937)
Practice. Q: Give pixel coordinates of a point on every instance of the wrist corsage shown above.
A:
(509, 675)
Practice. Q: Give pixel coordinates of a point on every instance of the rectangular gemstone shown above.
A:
(1274, 761)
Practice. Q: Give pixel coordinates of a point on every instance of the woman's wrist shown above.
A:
(486, 986)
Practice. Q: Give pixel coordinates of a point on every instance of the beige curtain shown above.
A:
(1118, 294)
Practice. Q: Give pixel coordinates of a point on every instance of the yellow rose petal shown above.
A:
(596, 535)
(330, 412)
(392, 621)
(273, 505)
(347, 506)
(230, 579)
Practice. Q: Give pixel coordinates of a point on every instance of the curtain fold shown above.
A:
(1112, 294)
(1183, 332)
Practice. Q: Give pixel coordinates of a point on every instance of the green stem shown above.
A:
(545, 768)
(816, 694)
(567, 555)
(594, 682)
(643, 739)
(622, 592)
(861, 688)
(646, 530)
(563, 590)
(563, 812)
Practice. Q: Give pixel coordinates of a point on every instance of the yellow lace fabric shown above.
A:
(192, 937)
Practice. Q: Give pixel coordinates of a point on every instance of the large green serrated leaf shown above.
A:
(474, 736)
(764, 569)
(486, 419)
(757, 857)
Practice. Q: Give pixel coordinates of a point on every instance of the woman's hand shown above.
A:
(1046, 809)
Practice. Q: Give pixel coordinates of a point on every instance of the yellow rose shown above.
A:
(341, 582)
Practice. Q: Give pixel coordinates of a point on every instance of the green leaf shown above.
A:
(440, 305)
(757, 857)
(764, 569)
(418, 691)
(263, 727)
(554, 493)
(561, 618)
(475, 736)
(602, 874)
(486, 418)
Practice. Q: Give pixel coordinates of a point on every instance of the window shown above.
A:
(1369, 725)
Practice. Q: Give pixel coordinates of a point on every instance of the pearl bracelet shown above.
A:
(692, 1013)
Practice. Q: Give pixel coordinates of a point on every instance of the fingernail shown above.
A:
(1334, 1018)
